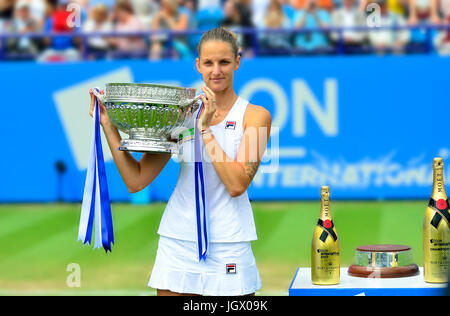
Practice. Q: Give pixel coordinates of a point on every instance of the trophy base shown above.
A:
(382, 273)
(383, 261)
(149, 146)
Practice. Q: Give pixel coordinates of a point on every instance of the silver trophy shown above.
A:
(149, 113)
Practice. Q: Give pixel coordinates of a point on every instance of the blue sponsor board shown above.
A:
(368, 127)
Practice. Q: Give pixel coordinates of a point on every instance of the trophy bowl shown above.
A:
(149, 114)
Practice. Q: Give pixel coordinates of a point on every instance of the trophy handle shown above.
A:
(190, 102)
(100, 97)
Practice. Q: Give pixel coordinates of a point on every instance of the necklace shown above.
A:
(217, 114)
(228, 108)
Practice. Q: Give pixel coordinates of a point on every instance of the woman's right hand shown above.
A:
(104, 118)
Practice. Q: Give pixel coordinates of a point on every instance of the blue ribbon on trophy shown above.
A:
(201, 205)
(96, 208)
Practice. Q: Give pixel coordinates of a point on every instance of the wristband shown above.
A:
(205, 131)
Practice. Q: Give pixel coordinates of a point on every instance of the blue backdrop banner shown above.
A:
(368, 127)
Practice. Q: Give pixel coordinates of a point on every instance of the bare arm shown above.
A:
(412, 12)
(302, 20)
(237, 174)
(136, 174)
(434, 12)
(306, 10)
(180, 25)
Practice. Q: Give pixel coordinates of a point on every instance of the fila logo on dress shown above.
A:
(230, 125)
(231, 268)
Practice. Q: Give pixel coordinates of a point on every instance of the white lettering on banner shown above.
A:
(275, 91)
(359, 175)
(303, 101)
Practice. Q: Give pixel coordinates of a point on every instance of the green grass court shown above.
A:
(39, 241)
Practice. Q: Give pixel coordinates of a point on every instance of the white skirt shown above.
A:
(230, 268)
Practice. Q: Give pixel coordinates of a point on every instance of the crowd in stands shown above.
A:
(262, 27)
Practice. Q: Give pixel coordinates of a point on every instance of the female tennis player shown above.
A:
(234, 136)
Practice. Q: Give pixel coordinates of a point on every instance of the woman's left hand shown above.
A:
(209, 108)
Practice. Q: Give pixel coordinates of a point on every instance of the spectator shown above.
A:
(23, 22)
(188, 7)
(60, 48)
(444, 8)
(126, 22)
(259, 9)
(5, 19)
(275, 18)
(208, 18)
(442, 41)
(422, 13)
(145, 11)
(98, 23)
(400, 7)
(327, 5)
(6, 16)
(108, 3)
(349, 15)
(6, 9)
(237, 17)
(384, 41)
(172, 19)
(288, 9)
(311, 17)
(37, 10)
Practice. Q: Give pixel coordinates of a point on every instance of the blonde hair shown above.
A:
(220, 34)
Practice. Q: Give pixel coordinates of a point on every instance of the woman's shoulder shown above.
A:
(256, 115)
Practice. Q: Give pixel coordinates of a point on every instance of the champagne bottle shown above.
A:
(325, 250)
(436, 241)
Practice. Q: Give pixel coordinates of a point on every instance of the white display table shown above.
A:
(410, 286)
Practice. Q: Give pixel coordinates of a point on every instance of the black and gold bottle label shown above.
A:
(441, 208)
(328, 227)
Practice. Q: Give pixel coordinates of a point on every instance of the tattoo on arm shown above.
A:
(251, 168)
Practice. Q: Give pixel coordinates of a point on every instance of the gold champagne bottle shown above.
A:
(325, 250)
(436, 241)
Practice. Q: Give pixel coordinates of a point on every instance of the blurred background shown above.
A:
(359, 100)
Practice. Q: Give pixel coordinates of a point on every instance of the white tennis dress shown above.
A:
(229, 268)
